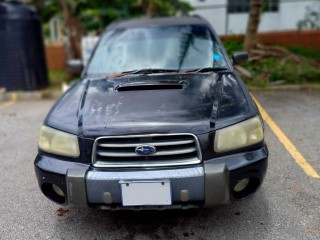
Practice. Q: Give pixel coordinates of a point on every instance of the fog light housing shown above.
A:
(241, 185)
(57, 190)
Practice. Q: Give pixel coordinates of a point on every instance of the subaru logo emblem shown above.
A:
(145, 150)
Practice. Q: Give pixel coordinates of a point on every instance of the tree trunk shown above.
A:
(38, 4)
(74, 35)
(149, 8)
(74, 30)
(250, 41)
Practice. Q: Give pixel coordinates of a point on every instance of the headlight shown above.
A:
(240, 135)
(58, 142)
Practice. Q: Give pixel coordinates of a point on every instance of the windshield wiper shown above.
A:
(207, 69)
(148, 71)
(159, 70)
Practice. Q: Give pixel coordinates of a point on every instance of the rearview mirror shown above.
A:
(74, 66)
(240, 57)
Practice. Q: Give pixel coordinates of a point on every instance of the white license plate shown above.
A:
(146, 193)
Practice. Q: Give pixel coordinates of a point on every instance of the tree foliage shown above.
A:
(95, 15)
(82, 16)
(311, 20)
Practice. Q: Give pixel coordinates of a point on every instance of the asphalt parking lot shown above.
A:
(286, 207)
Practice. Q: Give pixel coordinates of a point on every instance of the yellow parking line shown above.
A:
(287, 143)
(13, 97)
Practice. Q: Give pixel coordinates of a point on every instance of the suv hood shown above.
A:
(163, 103)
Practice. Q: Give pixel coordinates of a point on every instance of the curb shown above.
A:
(30, 96)
(54, 95)
(303, 87)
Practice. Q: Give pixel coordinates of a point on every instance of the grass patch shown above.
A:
(59, 77)
(305, 52)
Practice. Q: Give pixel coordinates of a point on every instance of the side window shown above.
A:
(243, 6)
(238, 6)
(218, 59)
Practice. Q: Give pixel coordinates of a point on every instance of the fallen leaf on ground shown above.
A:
(62, 211)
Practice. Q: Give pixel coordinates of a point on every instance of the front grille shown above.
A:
(171, 150)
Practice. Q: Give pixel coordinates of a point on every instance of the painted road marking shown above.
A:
(298, 157)
(12, 101)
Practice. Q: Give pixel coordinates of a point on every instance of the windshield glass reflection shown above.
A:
(175, 48)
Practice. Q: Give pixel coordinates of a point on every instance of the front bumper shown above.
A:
(206, 184)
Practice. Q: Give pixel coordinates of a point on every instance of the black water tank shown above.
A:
(22, 57)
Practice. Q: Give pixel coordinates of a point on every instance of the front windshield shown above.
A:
(172, 47)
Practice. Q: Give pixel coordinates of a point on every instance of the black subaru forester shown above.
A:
(159, 120)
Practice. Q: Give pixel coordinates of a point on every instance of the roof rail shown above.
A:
(197, 16)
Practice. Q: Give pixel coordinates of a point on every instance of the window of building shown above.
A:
(243, 6)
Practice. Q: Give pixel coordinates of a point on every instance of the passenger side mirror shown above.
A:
(74, 66)
(240, 57)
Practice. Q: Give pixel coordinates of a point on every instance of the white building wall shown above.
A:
(290, 12)
(214, 11)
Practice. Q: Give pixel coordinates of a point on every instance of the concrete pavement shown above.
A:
(286, 207)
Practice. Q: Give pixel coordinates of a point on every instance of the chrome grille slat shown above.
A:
(187, 161)
(136, 144)
(172, 150)
(159, 153)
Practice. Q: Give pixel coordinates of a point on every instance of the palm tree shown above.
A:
(82, 15)
(152, 8)
(72, 25)
(250, 41)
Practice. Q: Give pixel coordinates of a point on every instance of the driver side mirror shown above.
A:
(74, 66)
(240, 57)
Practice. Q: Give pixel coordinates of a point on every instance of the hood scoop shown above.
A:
(144, 86)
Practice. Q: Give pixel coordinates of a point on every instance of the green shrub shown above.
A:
(284, 70)
(281, 70)
(232, 46)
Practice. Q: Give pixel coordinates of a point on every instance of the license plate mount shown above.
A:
(146, 193)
